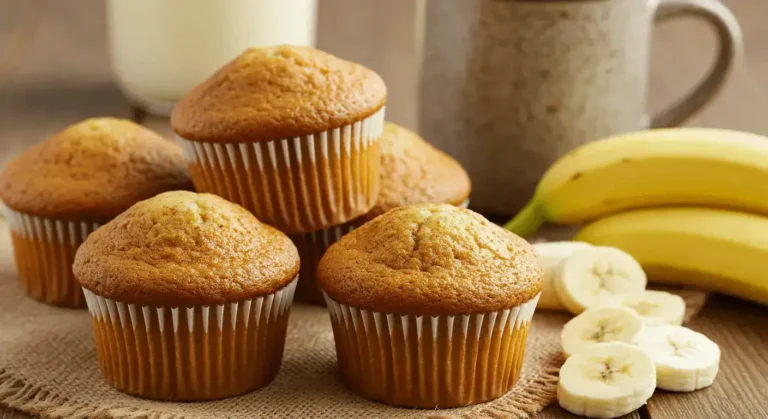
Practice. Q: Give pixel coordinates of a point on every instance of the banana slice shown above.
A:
(608, 381)
(593, 276)
(655, 307)
(598, 325)
(551, 255)
(685, 360)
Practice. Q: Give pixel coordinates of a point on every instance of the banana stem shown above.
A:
(527, 221)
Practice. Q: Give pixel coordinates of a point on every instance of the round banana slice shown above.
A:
(608, 381)
(685, 360)
(656, 307)
(551, 255)
(599, 325)
(595, 276)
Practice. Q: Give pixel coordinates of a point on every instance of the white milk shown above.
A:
(162, 48)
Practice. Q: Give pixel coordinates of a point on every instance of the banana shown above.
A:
(685, 360)
(593, 276)
(551, 255)
(651, 168)
(720, 250)
(608, 381)
(598, 325)
(655, 307)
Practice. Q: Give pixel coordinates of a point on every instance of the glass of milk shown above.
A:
(160, 49)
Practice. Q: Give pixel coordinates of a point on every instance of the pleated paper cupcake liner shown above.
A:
(298, 184)
(312, 247)
(430, 361)
(44, 250)
(191, 353)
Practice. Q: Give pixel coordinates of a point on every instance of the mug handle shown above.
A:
(729, 52)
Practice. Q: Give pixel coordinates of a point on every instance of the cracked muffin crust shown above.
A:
(279, 92)
(183, 248)
(430, 259)
(93, 170)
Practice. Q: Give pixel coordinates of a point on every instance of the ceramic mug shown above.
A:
(508, 86)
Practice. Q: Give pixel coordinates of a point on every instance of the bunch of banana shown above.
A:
(690, 204)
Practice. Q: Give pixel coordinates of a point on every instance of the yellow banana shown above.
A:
(720, 250)
(663, 167)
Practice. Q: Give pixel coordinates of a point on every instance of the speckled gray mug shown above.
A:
(510, 86)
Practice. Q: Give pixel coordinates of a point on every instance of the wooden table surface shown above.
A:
(60, 74)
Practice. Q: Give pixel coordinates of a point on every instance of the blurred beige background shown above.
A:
(54, 65)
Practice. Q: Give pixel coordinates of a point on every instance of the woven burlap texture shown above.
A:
(48, 367)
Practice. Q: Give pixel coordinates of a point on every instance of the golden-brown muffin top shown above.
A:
(430, 259)
(181, 248)
(94, 169)
(415, 172)
(271, 93)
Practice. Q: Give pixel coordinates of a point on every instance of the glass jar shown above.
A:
(162, 48)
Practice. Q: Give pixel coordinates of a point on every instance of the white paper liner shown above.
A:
(199, 352)
(44, 250)
(311, 247)
(464, 204)
(298, 184)
(430, 361)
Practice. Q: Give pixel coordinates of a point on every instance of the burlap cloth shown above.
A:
(48, 367)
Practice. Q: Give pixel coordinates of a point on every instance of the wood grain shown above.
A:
(63, 76)
(741, 388)
(555, 412)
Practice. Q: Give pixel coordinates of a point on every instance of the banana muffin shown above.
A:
(290, 133)
(59, 191)
(412, 172)
(430, 306)
(415, 172)
(189, 295)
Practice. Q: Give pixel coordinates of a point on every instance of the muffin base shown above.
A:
(190, 353)
(299, 184)
(44, 250)
(430, 361)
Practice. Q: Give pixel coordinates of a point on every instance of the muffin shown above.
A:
(415, 172)
(189, 296)
(412, 172)
(290, 133)
(430, 306)
(61, 190)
